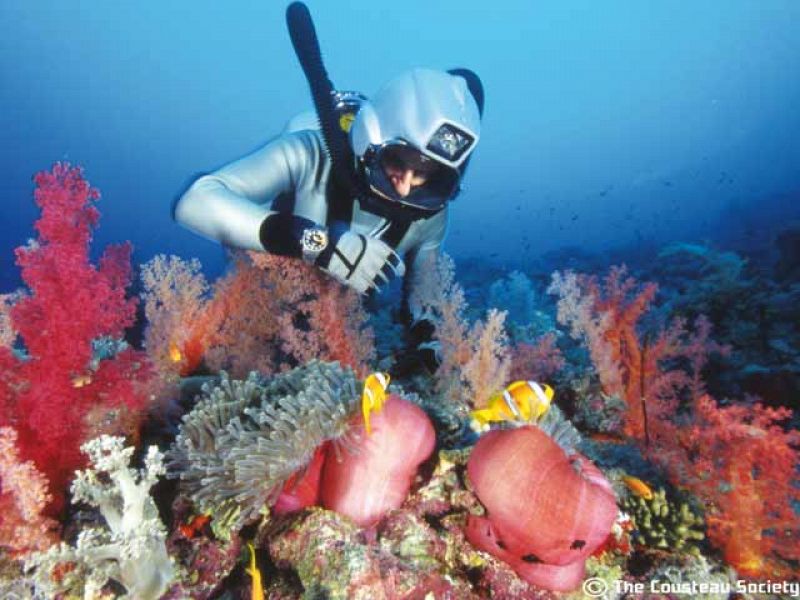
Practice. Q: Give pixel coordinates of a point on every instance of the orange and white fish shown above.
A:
(373, 396)
(258, 587)
(638, 487)
(525, 401)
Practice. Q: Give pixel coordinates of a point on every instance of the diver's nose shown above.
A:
(402, 182)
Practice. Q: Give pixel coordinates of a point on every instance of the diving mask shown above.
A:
(437, 182)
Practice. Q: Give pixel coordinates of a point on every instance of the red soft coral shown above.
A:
(742, 463)
(70, 303)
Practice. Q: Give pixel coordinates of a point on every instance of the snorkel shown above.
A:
(306, 46)
(453, 110)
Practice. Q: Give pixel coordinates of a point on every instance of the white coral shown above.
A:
(132, 549)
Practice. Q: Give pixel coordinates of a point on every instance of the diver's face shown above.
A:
(404, 180)
(407, 169)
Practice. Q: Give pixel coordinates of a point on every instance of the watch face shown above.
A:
(315, 240)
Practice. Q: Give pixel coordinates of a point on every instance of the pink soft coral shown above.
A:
(265, 314)
(630, 366)
(23, 497)
(70, 303)
(539, 361)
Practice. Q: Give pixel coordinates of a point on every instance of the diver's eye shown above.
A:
(403, 158)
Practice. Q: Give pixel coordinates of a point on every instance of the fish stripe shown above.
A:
(539, 392)
(511, 404)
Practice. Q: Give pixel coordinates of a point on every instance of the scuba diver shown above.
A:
(361, 188)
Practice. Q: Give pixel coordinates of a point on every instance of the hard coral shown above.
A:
(71, 302)
(665, 523)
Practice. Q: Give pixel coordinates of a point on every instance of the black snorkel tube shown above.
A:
(306, 46)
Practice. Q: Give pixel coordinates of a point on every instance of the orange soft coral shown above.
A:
(265, 314)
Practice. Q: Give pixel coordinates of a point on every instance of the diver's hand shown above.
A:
(361, 262)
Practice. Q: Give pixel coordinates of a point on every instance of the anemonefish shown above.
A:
(638, 487)
(520, 401)
(254, 572)
(374, 395)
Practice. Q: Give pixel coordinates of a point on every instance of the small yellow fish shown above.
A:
(374, 396)
(520, 401)
(175, 354)
(638, 487)
(80, 381)
(255, 573)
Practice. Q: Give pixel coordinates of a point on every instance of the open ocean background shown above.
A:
(607, 124)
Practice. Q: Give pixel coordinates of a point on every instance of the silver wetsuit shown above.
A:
(290, 173)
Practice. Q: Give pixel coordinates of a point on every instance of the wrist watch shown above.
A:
(313, 242)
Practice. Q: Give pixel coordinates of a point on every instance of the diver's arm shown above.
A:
(231, 204)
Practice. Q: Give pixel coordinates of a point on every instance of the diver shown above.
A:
(362, 190)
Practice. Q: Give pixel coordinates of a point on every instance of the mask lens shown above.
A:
(403, 158)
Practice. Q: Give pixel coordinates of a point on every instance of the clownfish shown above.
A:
(374, 396)
(254, 572)
(638, 487)
(521, 401)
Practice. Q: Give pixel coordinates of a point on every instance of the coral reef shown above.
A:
(70, 303)
(741, 462)
(270, 438)
(131, 549)
(474, 359)
(244, 439)
(23, 498)
(665, 523)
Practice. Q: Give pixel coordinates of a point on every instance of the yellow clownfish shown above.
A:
(374, 396)
(520, 401)
(638, 487)
(255, 573)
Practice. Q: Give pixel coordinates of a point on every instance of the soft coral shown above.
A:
(70, 302)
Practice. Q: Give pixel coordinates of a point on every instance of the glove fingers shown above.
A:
(396, 262)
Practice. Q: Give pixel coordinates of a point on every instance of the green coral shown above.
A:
(244, 439)
(665, 523)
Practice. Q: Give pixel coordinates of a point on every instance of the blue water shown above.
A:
(606, 122)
